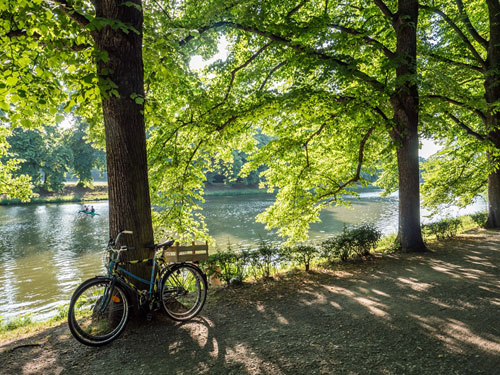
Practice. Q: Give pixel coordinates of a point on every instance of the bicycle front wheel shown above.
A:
(183, 292)
(98, 311)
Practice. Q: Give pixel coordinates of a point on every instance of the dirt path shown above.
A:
(437, 313)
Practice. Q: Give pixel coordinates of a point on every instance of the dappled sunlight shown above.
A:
(456, 335)
(281, 319)
(456, 271)
(317, 298)
(44, 364)
(260, 307)
(248, 359)
(414, 284)
(199, 330)
(380, 293)
(374, 307)
(335, 305)
(480, 260)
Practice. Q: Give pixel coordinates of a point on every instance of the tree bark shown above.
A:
(405, 103)
(492, 97)
(129, 201)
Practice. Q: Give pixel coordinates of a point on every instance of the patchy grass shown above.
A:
(25, 324)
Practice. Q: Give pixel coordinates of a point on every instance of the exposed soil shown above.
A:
(434, 313)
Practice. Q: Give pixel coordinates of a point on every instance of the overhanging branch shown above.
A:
(357, 176)
(67, 8)
(385, 9)
(468, 24)
(479, 113)
(466, 128)
(457, 63)
(460, 33)
(368, 40)
(348, 69)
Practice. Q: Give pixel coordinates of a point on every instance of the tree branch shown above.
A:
(69, 42)
(472, 31)
(358, 169)
(296, 9)
(347, 68)
(481, 115)
(466, 128)
(385, 9)
(388, 53)
(457, 63)
(273, 70)
(244, 65)
(68, 9)
(460, 33)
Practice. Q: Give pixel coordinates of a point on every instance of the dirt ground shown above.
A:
(436, 313)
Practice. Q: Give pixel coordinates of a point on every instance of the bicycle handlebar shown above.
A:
(119, 234)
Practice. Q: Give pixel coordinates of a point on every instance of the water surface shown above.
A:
(47, 250)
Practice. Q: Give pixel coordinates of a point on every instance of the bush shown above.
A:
(333, 248)
(480, 218)
(227, 265)
(446, 228)
(265, 259)
(357, 240)
(301, 254)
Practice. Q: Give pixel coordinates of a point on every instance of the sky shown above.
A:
(429, 147)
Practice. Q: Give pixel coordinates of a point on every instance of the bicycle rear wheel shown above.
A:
(184, 291)
(98, 311)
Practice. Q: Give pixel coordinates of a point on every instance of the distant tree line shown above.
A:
(48, 153)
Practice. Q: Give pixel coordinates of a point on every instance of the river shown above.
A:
(47, 250)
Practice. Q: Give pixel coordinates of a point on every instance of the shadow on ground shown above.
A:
(436, 313)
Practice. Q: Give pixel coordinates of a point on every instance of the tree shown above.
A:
(10, 185)
(315, 62)
(85, 156)
(43, 155)
(88, 56)
(28, 146)
(463, 64)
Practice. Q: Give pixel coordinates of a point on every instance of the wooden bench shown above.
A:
(189, 253)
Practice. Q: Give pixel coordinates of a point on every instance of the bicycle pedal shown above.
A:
(149, 316)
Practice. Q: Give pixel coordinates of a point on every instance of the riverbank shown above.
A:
(431, 313)
(99, 192)
(70, 193)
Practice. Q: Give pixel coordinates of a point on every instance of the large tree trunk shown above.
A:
(492, 96)
(405, 133)
(129, 202)
(493, 200)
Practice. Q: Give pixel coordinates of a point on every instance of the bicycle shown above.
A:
(99, 308)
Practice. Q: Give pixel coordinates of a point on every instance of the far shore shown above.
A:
(99, 192)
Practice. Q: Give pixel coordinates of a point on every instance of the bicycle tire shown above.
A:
(97, 315)
(183, 291)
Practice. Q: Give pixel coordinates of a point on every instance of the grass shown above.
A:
(24, 324)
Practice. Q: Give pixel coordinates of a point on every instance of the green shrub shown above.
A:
(333, 248)
(446, 228)
(357, 240)
(227, 265)
(388, 243)
(265, 259)
(480, 218)
(301, 254)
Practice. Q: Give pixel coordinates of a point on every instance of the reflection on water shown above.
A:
(47, 250)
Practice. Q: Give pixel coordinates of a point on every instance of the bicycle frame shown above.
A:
(116, 271)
